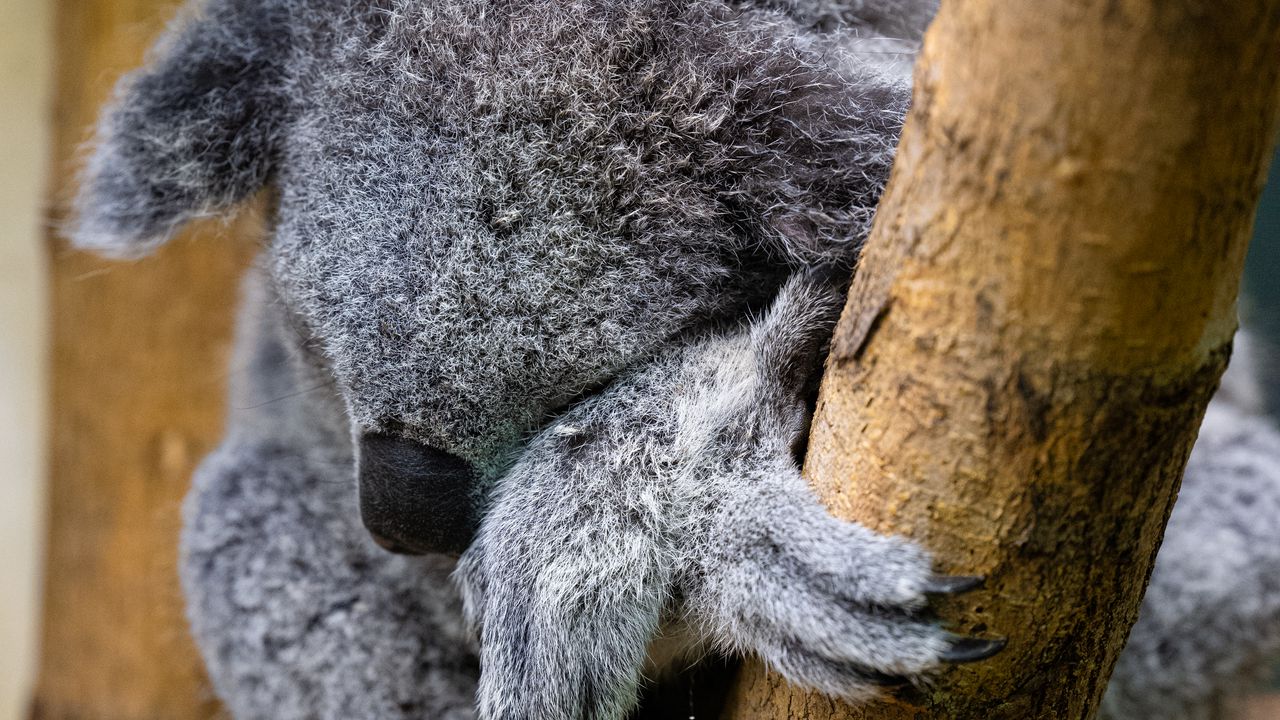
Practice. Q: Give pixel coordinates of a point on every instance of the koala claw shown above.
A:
(968, 650)
(953, 584)
(963, 650)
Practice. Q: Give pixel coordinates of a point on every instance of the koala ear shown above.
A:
(191, 133)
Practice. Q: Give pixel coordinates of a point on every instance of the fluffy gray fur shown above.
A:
(530, 234)
(465, 187)
(297, 613)
(684, 471)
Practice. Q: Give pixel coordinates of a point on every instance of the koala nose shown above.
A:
(415, 499)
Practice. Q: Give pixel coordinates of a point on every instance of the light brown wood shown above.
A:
(1045, 306)
(139, 362)
(1262, 707)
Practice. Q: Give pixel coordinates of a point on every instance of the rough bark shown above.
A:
(1043, 311)
(138, 364)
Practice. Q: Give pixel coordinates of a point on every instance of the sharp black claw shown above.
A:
(952, 584)
(967, 650)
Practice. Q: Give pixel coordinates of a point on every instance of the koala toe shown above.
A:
(855, 681)
(834, 632)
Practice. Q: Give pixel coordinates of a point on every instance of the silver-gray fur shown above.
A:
(297, 613)
(530, 235)
(671, 505)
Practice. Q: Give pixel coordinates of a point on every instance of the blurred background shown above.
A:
(151, 367)
(26, 78)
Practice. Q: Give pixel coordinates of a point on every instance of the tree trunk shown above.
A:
(138, 368)
(1042, 313)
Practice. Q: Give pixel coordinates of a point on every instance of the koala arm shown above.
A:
(671, 507)
(191, 133)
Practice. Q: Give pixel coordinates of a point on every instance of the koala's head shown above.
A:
(483, 213)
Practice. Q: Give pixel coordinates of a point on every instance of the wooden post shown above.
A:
(139, 362)
(1044, 309)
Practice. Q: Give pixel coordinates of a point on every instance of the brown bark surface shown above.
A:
(138, 370)
(1042, 313)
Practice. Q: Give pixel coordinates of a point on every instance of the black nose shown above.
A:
(415, 499)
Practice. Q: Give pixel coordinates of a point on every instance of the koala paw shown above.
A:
(563, 618)
(830, 604)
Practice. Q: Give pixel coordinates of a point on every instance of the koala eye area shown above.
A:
(415, 499)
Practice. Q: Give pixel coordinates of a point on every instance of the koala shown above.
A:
(523, 368)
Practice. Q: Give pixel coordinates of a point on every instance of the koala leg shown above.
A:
(1211, 616)
(298, 615)
(671, 507)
